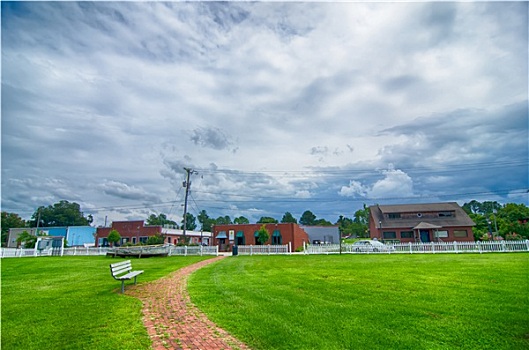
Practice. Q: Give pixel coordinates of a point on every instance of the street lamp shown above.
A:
(495, 222)
(490, 230)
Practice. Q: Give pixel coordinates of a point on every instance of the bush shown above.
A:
(156, 239)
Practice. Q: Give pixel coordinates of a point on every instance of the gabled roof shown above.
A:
(415, 208)
(459, 219)
(425, 226)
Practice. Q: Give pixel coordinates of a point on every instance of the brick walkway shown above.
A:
(173, 322)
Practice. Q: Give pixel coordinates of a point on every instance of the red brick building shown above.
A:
(226, 236)
(446, 222)
(135, 232)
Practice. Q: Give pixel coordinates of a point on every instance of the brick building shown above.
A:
(135, 232)
(226, 236)
(436, 222)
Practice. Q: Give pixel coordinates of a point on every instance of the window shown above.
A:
(143, 239)
(124, 240)
(133, 240)
(394, 216)
(460, 233)
(239, 240)
(390, 235)
(406, 234)
(443, 234)
(276, 238)
(256, 235)
(446, 214)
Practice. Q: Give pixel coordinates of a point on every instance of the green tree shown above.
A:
(223, 220)
(267, 220)
(156, 239)
(362, 216)
(62, 213)
(160, 220)
(513, 220)
(113, 237)
(483, 208)
(206, 223)
(263, 235)
(191, 223)
(307, 218)
(344, 226)
(10, 220)
(288, 218)
(26, 240)
(322, 222)
(509, 219)
(241, 220)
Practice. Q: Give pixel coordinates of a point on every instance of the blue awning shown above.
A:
(222, 234)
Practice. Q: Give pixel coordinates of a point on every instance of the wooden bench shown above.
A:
(122, 271)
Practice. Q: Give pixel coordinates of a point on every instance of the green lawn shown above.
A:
(74, 303)
(443, 301)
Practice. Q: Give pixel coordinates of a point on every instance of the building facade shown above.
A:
(226, 236)
(322, 234)
(136, 232)
(74, 235)
(437, 222)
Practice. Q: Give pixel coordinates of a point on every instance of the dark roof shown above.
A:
(460, 217)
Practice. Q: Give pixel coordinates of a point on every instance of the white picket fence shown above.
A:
(431, 248)
(263, 249)
(81, 251)
(400, 248)
(194, 250)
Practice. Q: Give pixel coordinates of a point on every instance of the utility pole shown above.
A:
(187, 185)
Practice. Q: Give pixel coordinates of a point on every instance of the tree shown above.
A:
(267, 220)
(362, 216)
(156, 239)
(513, 220)
(241, 220)
(10, 220)
(26, 240)
(191, 223)
(160, 220)
(223, 220)
(322, 222)
(263, 235)
(206, 223)
(113, 237)
(62, 213)
(484, 208)
(344, 226)
(288, 218)
(357, 227)
(307, 218)
(509, 220)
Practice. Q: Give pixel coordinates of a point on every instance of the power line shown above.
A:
(311, 172)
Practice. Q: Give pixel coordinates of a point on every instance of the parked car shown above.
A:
(371, 246)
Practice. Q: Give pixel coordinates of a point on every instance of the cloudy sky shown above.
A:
(277, 106)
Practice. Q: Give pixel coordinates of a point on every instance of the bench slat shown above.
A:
(120, 270)
(130, 275)
(126, 262)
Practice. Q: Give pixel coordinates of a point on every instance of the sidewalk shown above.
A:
(173, 322)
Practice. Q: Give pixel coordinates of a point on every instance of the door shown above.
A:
(425, 236)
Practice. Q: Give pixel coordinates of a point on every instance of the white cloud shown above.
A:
(395, 184)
